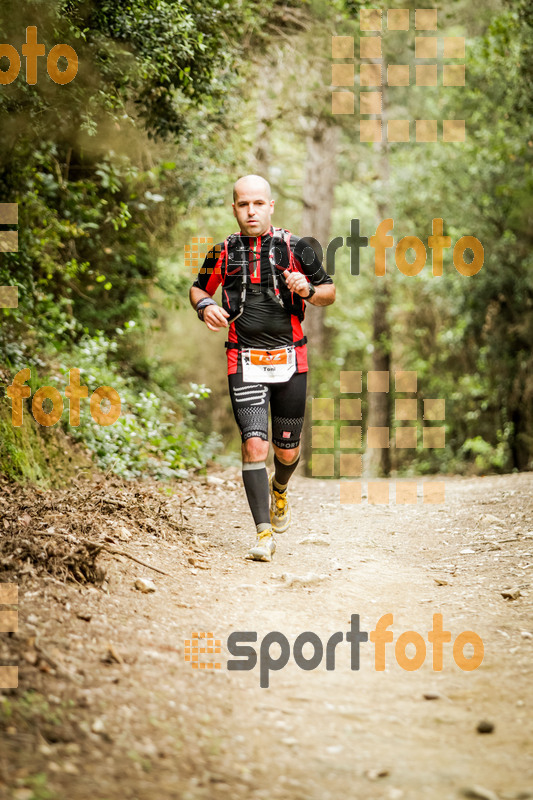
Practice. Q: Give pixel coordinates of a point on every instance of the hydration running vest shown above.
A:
(232, 265)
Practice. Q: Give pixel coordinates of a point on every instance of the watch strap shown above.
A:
(202, 305)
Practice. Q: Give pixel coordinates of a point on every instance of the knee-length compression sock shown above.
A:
(255, 478)
(282, 473)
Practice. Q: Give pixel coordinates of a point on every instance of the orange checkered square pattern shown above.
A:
(373, 71)
(9, 243)
(9, 674)
(337, 445)
(202, 644)
(196, 251)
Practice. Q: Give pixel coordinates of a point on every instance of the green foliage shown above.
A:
(101, 168)
(486, 457)
(147, 439)
(38, 784)
(18, 450)
(34, 453)
(486, 187)
(469, 339)
(154, 435)
(96, 198)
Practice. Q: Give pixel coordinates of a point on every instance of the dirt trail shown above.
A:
(147, 725)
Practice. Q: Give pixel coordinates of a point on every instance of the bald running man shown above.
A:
(267, 276)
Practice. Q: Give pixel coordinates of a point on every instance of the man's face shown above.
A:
(253, 208)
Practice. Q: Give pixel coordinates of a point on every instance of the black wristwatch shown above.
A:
(312, 291)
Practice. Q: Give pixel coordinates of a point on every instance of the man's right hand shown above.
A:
(215, 317)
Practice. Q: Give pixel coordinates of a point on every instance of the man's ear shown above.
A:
(233, 207)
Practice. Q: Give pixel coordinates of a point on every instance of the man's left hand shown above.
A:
(296, 282)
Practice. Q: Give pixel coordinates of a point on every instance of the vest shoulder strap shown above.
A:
(283, 233)
(230, 241)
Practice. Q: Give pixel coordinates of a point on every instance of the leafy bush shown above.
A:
(154, 434)
(487, 458)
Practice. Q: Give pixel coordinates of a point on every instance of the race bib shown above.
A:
(268, 366)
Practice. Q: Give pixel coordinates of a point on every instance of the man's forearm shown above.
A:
(196, 294)
(324, 295)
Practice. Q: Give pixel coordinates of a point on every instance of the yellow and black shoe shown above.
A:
(280, 512)
(264, 547)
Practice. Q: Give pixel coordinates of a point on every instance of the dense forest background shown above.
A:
(116, 172)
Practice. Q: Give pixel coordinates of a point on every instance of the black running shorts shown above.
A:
(287, 407)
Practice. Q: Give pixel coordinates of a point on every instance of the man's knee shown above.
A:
(254, 449)
(287, 456)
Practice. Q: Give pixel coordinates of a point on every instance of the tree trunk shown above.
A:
(318, 198)
(377, 460)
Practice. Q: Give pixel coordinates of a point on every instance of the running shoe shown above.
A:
(280, 512)
(264, 547)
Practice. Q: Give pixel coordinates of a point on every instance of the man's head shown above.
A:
(253, 205)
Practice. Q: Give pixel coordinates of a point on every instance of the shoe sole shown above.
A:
(259, 557)
(262, 556)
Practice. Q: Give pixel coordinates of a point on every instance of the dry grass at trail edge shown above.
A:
(62, 532)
